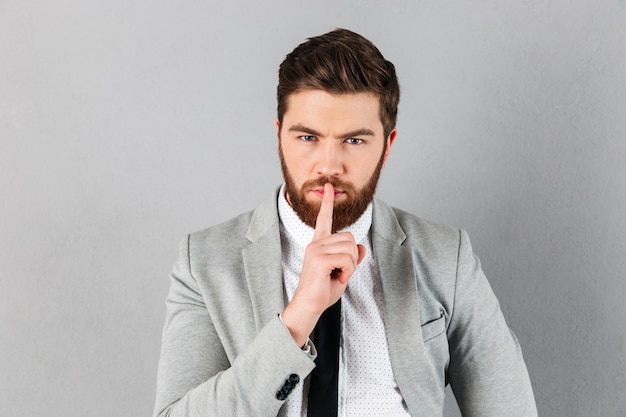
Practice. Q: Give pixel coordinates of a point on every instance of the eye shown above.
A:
(354, 141)
(307, 138)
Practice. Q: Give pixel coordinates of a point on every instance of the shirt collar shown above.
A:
(303, 234)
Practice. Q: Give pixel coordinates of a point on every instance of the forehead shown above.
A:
(323, 109)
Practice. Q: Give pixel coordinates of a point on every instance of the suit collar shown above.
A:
(395, 260)
(385, 224)
(263, 263)
(264, 219)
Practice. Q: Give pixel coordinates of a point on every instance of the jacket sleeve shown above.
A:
(486, 371)
(196, 378)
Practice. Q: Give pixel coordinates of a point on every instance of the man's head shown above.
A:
(337, 107)
(340, 62)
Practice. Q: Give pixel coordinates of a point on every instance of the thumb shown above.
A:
(362, 252)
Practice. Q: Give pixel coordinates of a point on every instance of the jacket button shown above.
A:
(284, 391)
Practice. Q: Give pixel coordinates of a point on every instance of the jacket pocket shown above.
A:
(433, 328)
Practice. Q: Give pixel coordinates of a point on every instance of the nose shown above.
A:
(329, 159)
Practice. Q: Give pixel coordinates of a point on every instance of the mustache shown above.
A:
(335, 182)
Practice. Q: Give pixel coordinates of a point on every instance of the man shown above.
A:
(401, 305)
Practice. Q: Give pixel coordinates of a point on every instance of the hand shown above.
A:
(329, 262)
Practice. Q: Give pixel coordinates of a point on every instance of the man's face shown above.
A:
(337, 139)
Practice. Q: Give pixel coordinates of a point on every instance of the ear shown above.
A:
(278, 130)
(390, 140)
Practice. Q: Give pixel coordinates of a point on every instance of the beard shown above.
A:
(345, 213)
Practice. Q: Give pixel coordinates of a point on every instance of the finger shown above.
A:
(324, 223)
(343, 266)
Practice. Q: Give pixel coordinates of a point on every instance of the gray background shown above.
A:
(126, 124)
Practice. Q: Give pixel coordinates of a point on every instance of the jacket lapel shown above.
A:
(263, 263)
(401, 307)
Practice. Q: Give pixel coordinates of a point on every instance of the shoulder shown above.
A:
(415, 231)
(237, 232)
(418, 226)
(224, 232)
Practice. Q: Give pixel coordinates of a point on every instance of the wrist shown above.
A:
(299, 322)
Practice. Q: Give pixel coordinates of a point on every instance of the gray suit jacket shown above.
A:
(226, 353)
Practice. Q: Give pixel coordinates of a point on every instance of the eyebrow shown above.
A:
(358, 132)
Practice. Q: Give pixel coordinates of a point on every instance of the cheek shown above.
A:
(365, 169)
(299, 166)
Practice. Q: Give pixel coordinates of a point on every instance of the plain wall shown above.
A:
(126, 124)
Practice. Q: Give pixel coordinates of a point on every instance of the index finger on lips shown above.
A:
(324, 223)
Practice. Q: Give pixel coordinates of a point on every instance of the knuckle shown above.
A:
(350, 247)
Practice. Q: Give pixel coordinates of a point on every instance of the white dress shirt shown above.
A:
(367, 386)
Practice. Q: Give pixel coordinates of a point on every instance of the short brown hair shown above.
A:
(339, 62)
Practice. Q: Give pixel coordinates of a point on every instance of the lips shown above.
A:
(320, 192)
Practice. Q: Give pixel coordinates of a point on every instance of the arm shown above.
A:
(487, 371)
(195, 376)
